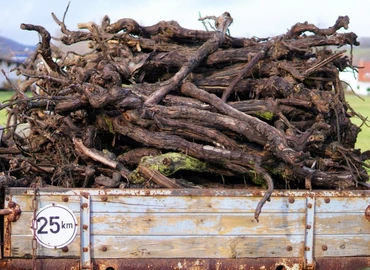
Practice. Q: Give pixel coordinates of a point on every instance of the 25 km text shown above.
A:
(54, 225)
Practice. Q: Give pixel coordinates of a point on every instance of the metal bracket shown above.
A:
(85, 245)
(309, 235)
(13, 212)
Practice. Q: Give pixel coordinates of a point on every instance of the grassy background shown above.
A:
(4, 95)
(361, 106)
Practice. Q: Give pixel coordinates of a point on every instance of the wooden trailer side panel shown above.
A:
(142, 225)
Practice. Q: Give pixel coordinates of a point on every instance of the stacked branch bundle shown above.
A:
(167, 107)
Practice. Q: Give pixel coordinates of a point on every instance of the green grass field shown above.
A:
(4, 95)
(359, 105)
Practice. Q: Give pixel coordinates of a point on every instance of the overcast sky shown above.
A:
(261, 18)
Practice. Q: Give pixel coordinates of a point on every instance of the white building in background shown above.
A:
(8, 63)
(358, 81)
(350, 78)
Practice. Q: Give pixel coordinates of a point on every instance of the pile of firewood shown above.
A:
(165, 106)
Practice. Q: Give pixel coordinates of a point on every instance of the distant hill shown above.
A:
(9, 48)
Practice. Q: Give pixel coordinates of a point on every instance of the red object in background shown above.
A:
(364, 71)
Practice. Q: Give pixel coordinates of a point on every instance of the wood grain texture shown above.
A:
(192, 225)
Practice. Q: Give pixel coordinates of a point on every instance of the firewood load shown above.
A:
(167, 107)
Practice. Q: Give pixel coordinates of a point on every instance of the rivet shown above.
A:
(104, 198)
(342, 246)
(85, 227)
(84, 205)
(309, 205)
(327, 200)
(85, 249)
(289, 248)
(65, 249)
(65, 199)
(367, 213)
(291, 200)
(308, 226)
(11, 204)
(307, 248)
(104, 248)
(324, 247)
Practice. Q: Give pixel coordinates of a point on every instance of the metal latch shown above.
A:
(13, 212)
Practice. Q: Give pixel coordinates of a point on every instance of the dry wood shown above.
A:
(158, 178)
(207, 48)
(268, 112)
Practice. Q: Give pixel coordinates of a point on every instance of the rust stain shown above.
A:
(7, 238)
(103, 248)
(15, 212)
(54, 263)
(199, 192)
(327, 263)
(85, 194)
(367, 213)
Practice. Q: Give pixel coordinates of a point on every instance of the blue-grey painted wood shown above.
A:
(202, 224)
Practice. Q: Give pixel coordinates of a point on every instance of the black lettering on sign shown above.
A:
(67, 225)
(55, 226)
(53, 223)
(41, 230)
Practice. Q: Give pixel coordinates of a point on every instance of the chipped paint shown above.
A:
(199, 229)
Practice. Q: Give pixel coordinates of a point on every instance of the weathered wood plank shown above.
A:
(198, 224)
(176, 247)
(341, 204)
(172, 224)
(339, 223)
(22, 247)
(25, 202)
(342, 245)
(202, 247)
(198, 247)
(173, 204)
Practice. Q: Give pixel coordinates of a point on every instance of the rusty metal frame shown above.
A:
(195, 192)
(328, 263)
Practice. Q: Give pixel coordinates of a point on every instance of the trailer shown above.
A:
(111, 229)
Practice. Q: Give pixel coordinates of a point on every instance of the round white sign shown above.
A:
(56, 226)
